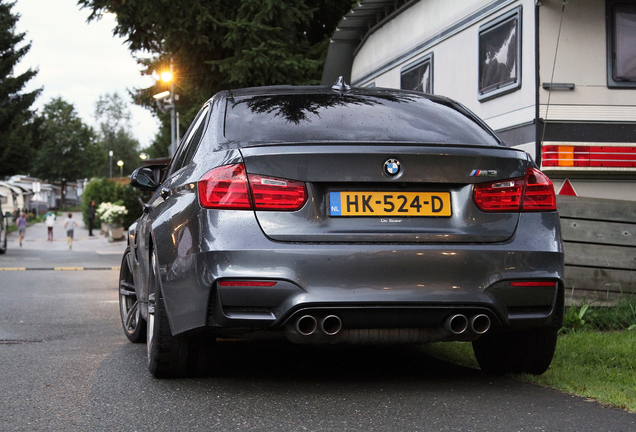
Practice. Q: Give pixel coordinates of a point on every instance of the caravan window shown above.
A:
(621, 47)
(500, 55)
(418, 76)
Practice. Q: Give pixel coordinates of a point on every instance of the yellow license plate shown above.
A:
(389, 204)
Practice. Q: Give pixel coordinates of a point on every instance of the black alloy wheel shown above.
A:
(131, 319)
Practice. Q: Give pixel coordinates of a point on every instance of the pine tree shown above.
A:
(18, 128)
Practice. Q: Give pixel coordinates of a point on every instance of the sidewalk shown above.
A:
(36, 236)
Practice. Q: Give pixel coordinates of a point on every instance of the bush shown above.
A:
(103, 190)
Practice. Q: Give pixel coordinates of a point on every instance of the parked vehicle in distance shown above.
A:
(331, 215)
(4, 222)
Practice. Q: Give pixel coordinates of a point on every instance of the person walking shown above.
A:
(49, 220)
(21, 222)
(69, 226)
(91, 218)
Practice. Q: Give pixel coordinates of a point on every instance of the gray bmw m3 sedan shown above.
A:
(329, 215)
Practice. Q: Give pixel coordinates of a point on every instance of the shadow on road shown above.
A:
(285, 361)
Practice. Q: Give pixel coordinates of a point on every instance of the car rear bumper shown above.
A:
(368, 286)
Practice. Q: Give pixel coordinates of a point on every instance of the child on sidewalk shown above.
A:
(21, 222)
(49, 220)
(69, 225)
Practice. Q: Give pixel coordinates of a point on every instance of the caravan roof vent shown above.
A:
(341, 86)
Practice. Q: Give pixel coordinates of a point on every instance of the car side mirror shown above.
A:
(146, 178)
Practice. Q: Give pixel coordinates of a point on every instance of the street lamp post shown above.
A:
(110, 156)
(174, 115)
(173, 120)
(120, 163)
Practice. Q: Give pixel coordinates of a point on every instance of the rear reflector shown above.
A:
(230, 187)
(535, 192)
(245, 283)
(533, 284)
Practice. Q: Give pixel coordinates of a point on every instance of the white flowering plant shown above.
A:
(111, 213)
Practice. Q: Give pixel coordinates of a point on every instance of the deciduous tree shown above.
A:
(69, 147)
(221, 44)
(115, 132)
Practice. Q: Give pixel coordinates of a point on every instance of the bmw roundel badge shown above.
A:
(392, 167)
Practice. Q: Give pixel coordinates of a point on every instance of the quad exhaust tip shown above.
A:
(459, 323)
(307, 325)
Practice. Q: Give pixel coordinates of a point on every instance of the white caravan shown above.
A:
(556, 79)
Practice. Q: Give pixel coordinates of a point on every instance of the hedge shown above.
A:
(103, 190)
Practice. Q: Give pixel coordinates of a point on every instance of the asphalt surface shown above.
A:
(66, 365)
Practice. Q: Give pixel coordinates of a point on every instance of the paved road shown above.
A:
(74, 370)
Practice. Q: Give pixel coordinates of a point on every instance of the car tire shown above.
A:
(172, 356)
(516, 352)
(133, 323)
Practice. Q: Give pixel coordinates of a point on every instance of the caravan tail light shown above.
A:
(534, 192)
(589, 156)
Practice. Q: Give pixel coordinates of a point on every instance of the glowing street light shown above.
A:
(110, 158)
(166, 76)
(143, 156)
(120, 163)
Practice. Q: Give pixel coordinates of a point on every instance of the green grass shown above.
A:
(600, 366)
(588, 363)
(603, 318)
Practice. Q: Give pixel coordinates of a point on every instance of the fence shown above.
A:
(599, 240)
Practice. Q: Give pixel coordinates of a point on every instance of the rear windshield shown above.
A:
(384, 117)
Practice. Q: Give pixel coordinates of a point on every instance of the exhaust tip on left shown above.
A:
(456, 324)
(306, 325)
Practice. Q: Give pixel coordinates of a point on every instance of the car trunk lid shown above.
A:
(437, 179)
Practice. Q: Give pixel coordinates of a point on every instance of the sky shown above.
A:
(79, 61)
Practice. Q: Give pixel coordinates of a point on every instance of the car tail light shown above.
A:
(539, 192)
(534, 192)
(277, 194)
(533, 284)
(225, 187)
(230, 187)
(247, 283)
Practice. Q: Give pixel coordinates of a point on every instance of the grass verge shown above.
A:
(601, 366)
